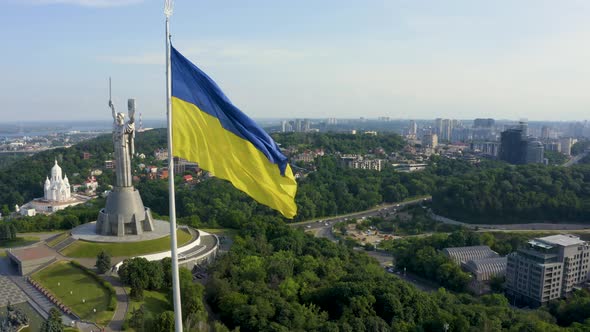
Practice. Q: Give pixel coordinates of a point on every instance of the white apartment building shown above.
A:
(547, 268)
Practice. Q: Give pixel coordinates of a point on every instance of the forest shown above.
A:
(22, 179)
(276, 278)
(341, 142)
(510, 194)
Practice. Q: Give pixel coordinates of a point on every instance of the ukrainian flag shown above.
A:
(207, 128)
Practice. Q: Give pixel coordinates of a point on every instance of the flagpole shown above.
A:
(173, 242)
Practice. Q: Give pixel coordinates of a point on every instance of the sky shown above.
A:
(409, 59)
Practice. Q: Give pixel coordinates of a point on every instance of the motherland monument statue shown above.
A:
(124, 213)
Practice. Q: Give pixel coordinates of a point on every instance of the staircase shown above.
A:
(63, 244)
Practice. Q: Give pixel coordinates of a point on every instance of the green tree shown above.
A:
(191, 296)
(135, 273)
(103, 262)
(497, 284)
(137, 319)
(165, 321)
(12, 231)
(5, 211)
(53, 322)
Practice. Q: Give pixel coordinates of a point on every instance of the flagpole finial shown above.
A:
(168, 6)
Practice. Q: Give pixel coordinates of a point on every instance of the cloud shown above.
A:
(88, 3)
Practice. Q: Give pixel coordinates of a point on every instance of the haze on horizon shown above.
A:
(306, 59)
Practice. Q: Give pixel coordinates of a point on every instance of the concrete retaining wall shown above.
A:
(162, 255)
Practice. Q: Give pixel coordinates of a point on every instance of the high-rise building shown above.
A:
(547, 268)
(438, 126)
(413, 128)
(461, 134)
(512, 146)
(516, 149)
(566, 145)
(535, 152)
(483, 123)
(524, 128)
(487, 148)
(546, 132)
(578, 129)
(444, 128)
(298, 125)
(552, 146)
(447, 127)
(430, 141)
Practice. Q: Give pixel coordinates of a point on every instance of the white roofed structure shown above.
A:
(465, 254)
(484, 269)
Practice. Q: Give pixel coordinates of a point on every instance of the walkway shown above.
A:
(39, 301)
(9, 291)
(118, 320)
(43, 305)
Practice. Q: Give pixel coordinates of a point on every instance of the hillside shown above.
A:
(22, 180)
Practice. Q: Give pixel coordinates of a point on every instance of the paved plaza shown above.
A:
(8, 290)
(88, 232)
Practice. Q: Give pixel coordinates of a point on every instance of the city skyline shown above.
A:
(306, 60)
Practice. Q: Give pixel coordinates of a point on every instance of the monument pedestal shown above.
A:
(124, 214)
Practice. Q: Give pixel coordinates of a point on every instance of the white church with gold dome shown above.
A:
(58, 195)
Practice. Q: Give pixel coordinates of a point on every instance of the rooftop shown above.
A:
(564, 240)
(488, 263)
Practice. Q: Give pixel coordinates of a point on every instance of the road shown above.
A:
(374, 212)
(323, 228)
(576, 159)
(515, 227)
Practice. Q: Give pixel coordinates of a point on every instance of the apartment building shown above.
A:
(547, 268)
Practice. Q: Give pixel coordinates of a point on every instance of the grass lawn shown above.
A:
(57, 239)
(82, 286)
(19, 242)
(91, 249)
(154, 303)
